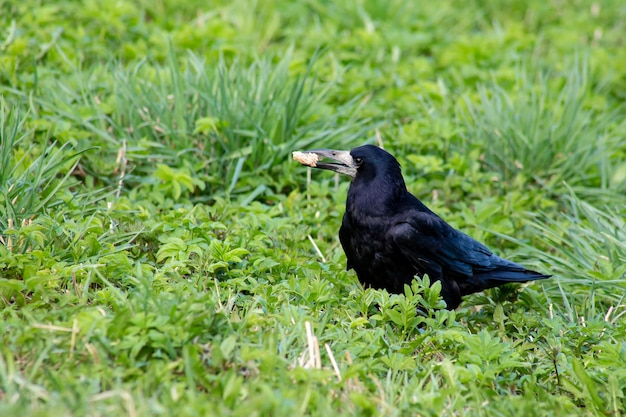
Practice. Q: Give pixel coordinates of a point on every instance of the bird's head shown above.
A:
(377, 185)
(364, 163)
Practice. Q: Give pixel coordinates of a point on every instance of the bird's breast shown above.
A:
(374, 257)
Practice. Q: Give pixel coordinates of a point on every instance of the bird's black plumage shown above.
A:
(389, 236)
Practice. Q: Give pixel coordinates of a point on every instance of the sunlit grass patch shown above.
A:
(545, 130)
(233, 123)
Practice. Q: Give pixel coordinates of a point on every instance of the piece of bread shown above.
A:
(306, 158)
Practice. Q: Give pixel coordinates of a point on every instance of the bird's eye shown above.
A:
(358, 161)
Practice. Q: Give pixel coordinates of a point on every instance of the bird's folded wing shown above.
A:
(424, 239)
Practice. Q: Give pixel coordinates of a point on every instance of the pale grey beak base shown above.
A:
(345, 161)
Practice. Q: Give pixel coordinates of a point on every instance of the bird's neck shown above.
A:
(375, 198)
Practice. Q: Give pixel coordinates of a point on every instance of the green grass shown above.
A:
(549, 136)
(160, 253)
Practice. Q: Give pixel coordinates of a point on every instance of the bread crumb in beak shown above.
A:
(306, 158)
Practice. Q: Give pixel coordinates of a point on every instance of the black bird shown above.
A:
(389, 236)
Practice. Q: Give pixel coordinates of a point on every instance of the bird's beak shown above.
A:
(344, 161)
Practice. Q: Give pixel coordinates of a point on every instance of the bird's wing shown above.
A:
(429, 243)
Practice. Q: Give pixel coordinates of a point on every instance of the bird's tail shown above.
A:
(512, 275)
(504, 273)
